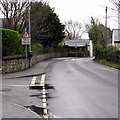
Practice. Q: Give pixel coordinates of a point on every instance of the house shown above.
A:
(1, 22)
(116, 38)
(83, 44)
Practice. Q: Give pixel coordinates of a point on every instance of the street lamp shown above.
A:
(30, 51)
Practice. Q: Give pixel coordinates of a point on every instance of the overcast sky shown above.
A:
(82, 10)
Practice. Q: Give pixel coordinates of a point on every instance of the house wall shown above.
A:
(117, 45)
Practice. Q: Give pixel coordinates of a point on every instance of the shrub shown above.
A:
(37, 49)
(105, 52)
(99, 51)
(110, 53)
(62, 46)
(11, 42)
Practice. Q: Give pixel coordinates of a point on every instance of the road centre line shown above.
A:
(44, 96)
(44, 105)
(44, 100)
(44, 93)
(43, 90)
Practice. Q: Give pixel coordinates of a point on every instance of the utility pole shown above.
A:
(106, 17)
(119, 15)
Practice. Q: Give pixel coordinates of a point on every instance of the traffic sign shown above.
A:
(26, 40)
(26, 35)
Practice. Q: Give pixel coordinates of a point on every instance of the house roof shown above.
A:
(78, 43)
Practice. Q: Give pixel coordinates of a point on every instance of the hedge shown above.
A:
(11, 42)
(108, 53)
(37, 49)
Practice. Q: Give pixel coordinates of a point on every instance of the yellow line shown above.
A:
(45, 111)
(45, 116)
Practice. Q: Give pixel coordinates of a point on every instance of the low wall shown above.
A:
(18, 64)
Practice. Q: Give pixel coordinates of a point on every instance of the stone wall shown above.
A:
(18, 64)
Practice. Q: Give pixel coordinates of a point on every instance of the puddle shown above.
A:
(35, 87)
(37, 95)
(38, 110)
(5, 90)
(47, 86)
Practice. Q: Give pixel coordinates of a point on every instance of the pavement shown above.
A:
(37, 69)
(15, 110)
(19, 111)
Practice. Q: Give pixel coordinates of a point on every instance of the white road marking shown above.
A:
(73, 59)
(19, 85)
(33, 81)
(44, 96)
(44, 105)
(45, 110)
(43, 90)
(44, 93)
(42, 81)
(44, 100)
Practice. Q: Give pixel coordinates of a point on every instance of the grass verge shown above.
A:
(108, 63)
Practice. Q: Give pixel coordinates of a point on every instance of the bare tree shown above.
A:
(116, 3)
(116, 10)
(73, 29)
(15, 14)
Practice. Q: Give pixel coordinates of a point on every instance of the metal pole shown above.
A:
(29, 28)
(29, 34)
(118, 16)
(26, 56)
(76, 49)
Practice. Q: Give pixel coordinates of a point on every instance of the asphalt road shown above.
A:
(17, 98)
(82, 89)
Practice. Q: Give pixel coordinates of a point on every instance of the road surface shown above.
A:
(82, 89)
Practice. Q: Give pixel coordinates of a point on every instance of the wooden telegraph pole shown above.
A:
(106, 17)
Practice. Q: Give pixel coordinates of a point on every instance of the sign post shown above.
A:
(76, 48)
(26, 41)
